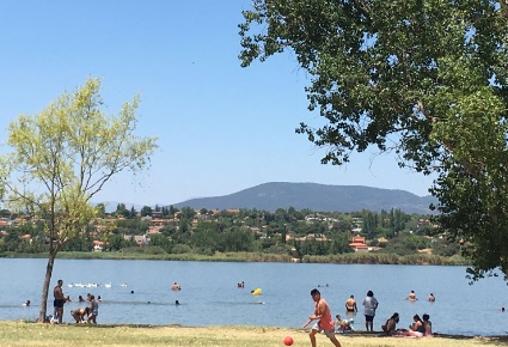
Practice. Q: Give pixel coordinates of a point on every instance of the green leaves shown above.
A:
(430, 76)
(64, 155)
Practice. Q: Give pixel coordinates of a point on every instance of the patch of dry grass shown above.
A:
(44, 335)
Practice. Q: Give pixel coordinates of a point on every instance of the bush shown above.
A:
(154, 250)
(181, 248)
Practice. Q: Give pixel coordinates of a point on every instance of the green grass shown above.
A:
(17, 334)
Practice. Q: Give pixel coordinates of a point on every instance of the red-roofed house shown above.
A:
(358, 244)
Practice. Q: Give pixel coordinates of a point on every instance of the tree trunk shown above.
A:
(45, 287)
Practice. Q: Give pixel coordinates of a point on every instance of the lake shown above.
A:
(209, 295)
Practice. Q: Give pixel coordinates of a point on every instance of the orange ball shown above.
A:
(288, 341)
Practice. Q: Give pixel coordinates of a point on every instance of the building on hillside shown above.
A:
(98, 246)
(156, 214)
(141, 240)
(358, 244)
(26, 237)
(154, 229)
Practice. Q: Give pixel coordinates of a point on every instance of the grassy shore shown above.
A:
(349, 258)
(44, 335)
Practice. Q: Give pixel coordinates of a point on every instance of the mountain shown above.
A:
(317, 197)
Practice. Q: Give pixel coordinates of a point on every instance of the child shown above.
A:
(79, 314)
(342, 325)
(93, 310)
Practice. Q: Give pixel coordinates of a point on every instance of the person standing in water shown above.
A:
(59, 301)
(370, 305)
(351, 305)
(323, 318)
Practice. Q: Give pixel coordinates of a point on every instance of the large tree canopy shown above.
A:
(62, 157)
(427, 79)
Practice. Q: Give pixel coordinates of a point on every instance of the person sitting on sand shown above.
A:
(342, 325)
(79, 314)
(390, 327)
(416, 328)
(427, 325)
(412, 296)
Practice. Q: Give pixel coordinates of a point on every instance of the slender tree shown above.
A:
(62, 157)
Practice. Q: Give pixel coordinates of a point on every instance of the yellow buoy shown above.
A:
(257, 292)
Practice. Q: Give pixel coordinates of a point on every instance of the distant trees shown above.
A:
(294, 233)
(146, 211)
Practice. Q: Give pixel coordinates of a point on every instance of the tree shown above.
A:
(146, 211)
(100, 210)
(121, 210)
(426, 79)
(62, 157)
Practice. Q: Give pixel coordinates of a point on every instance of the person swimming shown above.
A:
(412, 296)
(26, 303)
(431, 297)
(176, 286)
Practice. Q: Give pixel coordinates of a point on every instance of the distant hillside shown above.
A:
(317, 197)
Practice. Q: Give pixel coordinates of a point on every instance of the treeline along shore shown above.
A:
(286, 235)
(353, 258)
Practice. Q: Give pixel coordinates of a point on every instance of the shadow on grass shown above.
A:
(491, 340)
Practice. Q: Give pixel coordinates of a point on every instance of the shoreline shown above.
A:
(349, 258)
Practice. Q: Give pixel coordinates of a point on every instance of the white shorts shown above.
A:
(329, 333)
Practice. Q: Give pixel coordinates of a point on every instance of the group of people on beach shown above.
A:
(420, 326)
(81, 315)
(322, 320)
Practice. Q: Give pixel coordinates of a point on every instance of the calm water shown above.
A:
(210, 297)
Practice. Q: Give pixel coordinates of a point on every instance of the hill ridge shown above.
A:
(315, 196)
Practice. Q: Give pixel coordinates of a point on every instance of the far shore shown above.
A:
(26, 334)
(349, 258)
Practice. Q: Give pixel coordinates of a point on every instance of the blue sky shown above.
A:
(221, 128)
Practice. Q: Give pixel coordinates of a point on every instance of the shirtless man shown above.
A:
(323, 318)
(351, 305)
(59, 301)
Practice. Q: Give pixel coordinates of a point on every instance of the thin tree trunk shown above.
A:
(45, 287)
